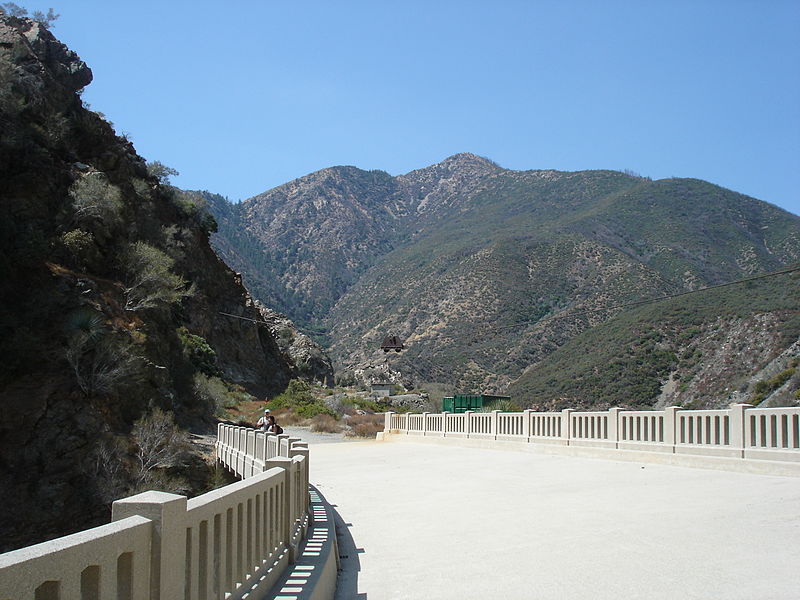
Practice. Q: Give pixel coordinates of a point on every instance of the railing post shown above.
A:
(285, 517)
(220, 438)
(300, 449)
(444, 423)
(291, 507)
(283, 445)
(566, 424)
(468, 422)
(495, 423)
(241, 460)
(261, 449)
(526, 423)
(387, 421)
(425, 423)
(168, 545)
(671, 426)
(250, 452)
(737, 423)
(613, 425)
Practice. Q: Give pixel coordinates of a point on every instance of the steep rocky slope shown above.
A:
(475, 266)
(110, 296)
(302, 245)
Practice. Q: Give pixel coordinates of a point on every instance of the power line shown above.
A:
(245, 318)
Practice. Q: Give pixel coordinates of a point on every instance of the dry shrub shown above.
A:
(365, 425)
(325, 424)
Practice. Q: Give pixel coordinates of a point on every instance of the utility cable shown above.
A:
(245, 318)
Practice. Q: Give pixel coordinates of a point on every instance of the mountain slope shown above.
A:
(473, 296)
(706, 349)
(307, 241)
(471, 263)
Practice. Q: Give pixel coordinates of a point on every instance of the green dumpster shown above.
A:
(460, 403)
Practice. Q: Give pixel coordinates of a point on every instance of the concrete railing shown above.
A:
(248, 452)
(740, 431)
(223, 544)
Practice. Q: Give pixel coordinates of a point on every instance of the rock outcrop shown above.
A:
(307, 360)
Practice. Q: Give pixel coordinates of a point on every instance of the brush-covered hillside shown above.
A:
(110, 302)
(476, 266)
(738, 343)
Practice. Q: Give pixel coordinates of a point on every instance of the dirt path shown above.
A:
(316, 437)
(205, 442)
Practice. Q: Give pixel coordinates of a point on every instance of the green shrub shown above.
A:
(97, 203)
(77, 242)
(161, 172)
(195, 207)
(216, 394)
(364, 404)
(298, 398)
(47, 19)
(765, 387)
(312, 409)
(160, 444)
(149, 281)
(502, 406)
(100, 361)
(197, 350)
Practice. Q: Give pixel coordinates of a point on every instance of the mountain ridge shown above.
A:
(468, 245)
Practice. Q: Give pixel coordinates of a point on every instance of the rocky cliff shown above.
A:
(110, 296)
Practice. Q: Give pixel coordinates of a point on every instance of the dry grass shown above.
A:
(325, 424)
(365, 426)
(285, 416)
(246, 412)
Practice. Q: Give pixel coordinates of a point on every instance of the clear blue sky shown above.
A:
(243, 96)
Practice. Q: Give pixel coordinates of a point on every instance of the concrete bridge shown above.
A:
(514, 505)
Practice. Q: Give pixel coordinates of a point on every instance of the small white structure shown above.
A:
(382, 389)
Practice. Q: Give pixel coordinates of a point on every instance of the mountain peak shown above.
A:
(465, 161)
(464, 164)
(467, 158)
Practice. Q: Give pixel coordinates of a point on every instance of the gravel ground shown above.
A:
(316, 437)
(205, 442)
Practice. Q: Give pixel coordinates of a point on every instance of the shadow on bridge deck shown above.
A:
(349, 562)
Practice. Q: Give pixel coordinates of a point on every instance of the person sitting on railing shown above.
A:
(272, 426)
(263, 422)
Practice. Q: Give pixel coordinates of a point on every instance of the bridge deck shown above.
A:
(447, 522)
